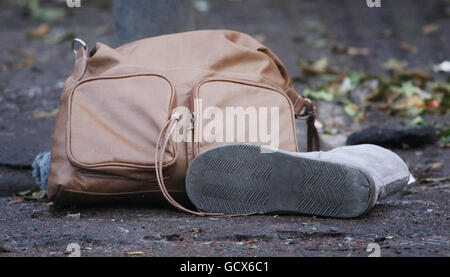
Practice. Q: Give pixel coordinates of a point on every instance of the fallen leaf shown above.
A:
(411, 106)
(74, 216)
(332, 131)
(358, 51)
(250, 247)
(444, 132)
(404, 46)
(40, 31)
(4, 250)
(15, 201)
(421, 75)
(356, 77)
(250, 242)
(32, 194)
(437, 165)
(430, 29)
(59, 36)
(28, 61)
(36, 195)
(409, 90)
(134, 253)
(444, 135)
(320, 94)
(395, 65)
(433, 180)
(445, 142)
(321, 65)
(341, 48)
(43, 114)
(418, 121)
(23, 193)
(351, 109)
(47, 14)
(318, 67)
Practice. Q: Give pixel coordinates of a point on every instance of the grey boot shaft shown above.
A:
(384, 169)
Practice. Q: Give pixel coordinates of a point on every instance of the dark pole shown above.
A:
(138, 19)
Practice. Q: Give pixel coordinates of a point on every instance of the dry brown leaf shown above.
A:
(436, 165)
(395, 65)
(40, 31)
(341, 48)
(32, 194)
(411, 106)
(422, 75)
(135, 253)
(15, 201)
(358, 51)
(433, 180)
(318, 67)
(28, 61)
(430, 29)
(404, 46)
(415, 101)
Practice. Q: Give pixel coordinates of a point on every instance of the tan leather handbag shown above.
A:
(119, 110)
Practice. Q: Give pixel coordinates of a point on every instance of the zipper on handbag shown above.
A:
(190, 145)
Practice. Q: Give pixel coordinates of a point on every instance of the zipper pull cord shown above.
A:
(163, 140)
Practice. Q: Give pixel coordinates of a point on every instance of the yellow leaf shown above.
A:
(40, 31)
(52, 113)
(135, 253)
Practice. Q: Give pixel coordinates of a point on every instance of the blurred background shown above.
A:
(383, 66)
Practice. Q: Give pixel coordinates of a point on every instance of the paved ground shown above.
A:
(415, 222)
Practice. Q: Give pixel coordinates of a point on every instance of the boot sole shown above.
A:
(239, 179)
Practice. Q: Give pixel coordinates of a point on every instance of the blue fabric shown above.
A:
(41, 168)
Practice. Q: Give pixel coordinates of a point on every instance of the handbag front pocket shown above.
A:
(114, 123)
(231, 110)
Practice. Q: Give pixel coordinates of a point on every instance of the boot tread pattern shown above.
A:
(322, 185)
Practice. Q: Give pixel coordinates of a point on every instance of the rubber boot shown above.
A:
(345, 182)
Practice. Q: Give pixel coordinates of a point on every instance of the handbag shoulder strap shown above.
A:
(304, 108)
